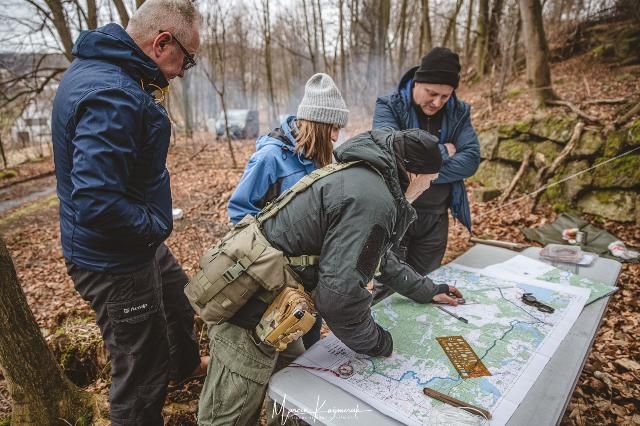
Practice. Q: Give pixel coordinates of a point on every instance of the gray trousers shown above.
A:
(422, 247)
(147, 327)
(238, 375)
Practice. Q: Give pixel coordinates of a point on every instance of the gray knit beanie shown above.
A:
(322, 102)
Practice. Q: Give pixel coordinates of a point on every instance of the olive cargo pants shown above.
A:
(238, 375)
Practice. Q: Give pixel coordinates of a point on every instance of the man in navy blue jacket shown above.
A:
(426, 99)
(111, 137)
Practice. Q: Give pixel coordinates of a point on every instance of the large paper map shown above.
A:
(525, 267)
(513, 340)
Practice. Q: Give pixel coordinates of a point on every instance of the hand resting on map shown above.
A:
(450, 298)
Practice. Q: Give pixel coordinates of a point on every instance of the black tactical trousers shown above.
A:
(147, 327)
(422, 247)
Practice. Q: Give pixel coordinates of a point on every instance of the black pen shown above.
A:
(459, 318)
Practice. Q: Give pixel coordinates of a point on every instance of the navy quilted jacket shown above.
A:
(395, 111)
(110, 141)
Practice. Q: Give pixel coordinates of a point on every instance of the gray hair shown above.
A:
(178, 16)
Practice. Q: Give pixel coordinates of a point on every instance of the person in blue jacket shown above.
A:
(301, 144)
(426, 99)
(110, 140)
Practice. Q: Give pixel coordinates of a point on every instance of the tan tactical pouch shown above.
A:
(233, 271)
(243, 264)
(288, 318)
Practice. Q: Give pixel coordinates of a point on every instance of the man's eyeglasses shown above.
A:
(189, 60)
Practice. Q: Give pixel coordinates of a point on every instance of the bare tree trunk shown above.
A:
(483, 38)
(218, 63)
(41, 394)
(467, 35)
(122, 12)
(62, 26)
(343, 59)
(403, 36)
(327, 68)
(266, 30)
(92, 15)
(426, 40)
(313, 52)
(493, 39)
(381, 39)
(537, 52)
(451, 25)
(187, 106)
(4, 157)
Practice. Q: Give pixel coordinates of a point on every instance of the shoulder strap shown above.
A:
(278, 204)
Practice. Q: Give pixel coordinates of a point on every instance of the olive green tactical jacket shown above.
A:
(351, 219)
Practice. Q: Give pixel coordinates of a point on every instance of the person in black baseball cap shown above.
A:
(426, 99)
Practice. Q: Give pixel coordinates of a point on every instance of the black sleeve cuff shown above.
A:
(384, 347)
(443, 289)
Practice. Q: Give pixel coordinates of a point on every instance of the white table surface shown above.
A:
(545, 402)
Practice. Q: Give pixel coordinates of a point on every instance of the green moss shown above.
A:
(549, 149)
(512, 150)
(574, 186)
(494, 174)
(616, 205)
(614, 141)
(590, 144)
(523, 126)
(8, 173)
(513, 93)
(603, 51)
(621, 173)
(488, 143)
(633, 134)
(555, 127)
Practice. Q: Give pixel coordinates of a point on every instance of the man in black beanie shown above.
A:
(425, 99)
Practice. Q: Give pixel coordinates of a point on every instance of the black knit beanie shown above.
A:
(439, 66)
(417, 151)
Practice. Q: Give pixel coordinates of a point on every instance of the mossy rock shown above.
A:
(494, 174)
(482, 194)
(549, 149)
(621, 173)
(626, 43)
(512, 150)
(528, 180)
(614, 142)
(516, 129)
(576, 185)
(615, 205)
(555, 127)
(8, 174)
(591, 142)
(633, 134)
(488, 143)
(513, 93)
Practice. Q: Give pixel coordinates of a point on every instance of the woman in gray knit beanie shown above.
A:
(301, 144)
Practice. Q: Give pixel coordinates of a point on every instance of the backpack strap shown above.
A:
(279, 203)
(271, 209)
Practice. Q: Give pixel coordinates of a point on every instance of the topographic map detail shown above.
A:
(525, 267)
(513, 340)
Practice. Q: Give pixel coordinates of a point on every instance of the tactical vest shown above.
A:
(243, 264)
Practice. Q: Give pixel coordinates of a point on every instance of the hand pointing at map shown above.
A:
(451, 298)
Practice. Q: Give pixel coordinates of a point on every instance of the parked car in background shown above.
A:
(243, 124)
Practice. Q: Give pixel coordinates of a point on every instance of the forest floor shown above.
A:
(608, 390)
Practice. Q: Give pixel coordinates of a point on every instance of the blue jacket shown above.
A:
(110, 142)
(272, 169)
(396, 111)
